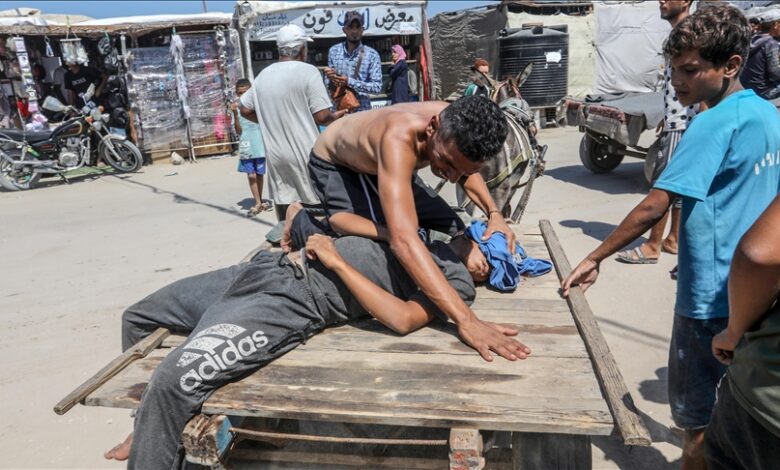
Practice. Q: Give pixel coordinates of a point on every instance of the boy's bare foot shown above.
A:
(669, 246)
(120, 451)
(292, 211)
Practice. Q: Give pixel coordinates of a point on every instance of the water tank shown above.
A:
(548, 50)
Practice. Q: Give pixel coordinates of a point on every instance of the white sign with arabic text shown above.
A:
(379, 20)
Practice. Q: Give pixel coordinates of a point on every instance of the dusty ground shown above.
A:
(75, 255)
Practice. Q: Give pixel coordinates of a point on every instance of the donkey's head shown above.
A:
(510, 87)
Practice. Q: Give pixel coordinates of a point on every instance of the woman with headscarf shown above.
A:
(399, 79)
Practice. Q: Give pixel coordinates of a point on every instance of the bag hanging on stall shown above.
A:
(344, 97)
(73, 51)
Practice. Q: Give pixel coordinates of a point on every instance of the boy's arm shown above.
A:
(400, 316)
(645, 215)
(754, 280)
(345, 223)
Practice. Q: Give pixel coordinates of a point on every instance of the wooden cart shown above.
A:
(537, 413)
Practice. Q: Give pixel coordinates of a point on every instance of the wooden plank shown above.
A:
(141, 349)
(627, 419)
(522, 293)
(437, 395)
(532, 451)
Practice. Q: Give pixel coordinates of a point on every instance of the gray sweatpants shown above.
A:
(238, 319)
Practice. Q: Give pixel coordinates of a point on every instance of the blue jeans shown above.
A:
(693, 371)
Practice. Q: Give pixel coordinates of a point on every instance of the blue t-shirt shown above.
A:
(251, 144)
(727, 170)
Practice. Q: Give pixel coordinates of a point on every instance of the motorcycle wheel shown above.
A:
(130, 158)
(13, 182)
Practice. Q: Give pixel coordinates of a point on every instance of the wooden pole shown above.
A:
(627, 419)
(140, 350)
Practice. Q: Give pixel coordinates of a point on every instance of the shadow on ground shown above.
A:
(246, 204)
(641, 458)
(628, 178)
(598, 230)
(179, 199)
(655, 390)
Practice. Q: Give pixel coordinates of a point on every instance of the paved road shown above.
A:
(75, 255)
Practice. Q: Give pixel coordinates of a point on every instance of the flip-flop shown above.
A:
(639, 258)
(267, 205)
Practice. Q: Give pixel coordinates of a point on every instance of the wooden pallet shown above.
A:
(567, 390)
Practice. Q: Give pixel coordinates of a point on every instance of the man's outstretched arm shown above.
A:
(637, 222)
(395, 174)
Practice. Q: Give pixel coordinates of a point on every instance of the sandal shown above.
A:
(267, 205)
(635, 256)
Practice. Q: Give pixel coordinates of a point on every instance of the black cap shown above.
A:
(353, 16)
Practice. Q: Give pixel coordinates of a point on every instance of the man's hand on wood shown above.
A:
(486, 337)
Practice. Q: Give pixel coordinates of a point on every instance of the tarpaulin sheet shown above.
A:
(457, 39)
(629, 46)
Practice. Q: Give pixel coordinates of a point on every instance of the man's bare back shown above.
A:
(355, 141)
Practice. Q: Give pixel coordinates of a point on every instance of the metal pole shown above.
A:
(205, 9)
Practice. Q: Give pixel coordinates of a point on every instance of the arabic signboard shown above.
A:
(379, 20)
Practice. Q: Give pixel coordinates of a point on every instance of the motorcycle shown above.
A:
(81, 140)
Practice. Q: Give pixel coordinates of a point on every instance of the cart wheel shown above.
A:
(594, 156)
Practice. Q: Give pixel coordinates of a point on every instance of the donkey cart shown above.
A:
(422, 401)
(612, 126)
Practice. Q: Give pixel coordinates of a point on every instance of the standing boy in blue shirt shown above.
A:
(726, 169)
(251, 152)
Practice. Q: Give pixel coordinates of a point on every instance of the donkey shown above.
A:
(504, 172)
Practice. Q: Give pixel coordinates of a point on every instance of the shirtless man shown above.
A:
(363, 168)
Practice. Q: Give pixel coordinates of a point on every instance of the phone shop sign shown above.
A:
(379, 20)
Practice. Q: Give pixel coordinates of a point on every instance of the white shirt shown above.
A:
(287, 94)
(676, 116)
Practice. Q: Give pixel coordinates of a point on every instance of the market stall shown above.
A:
(169, 98)
(386, 23)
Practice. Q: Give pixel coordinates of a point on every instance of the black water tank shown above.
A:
(548, 50)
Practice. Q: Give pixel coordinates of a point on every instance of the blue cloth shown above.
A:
(251, 144)
(252, 165)
(506, 268)
(369, 76)
(727, 170)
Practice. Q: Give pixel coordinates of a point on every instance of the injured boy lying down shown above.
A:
(241, 318)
